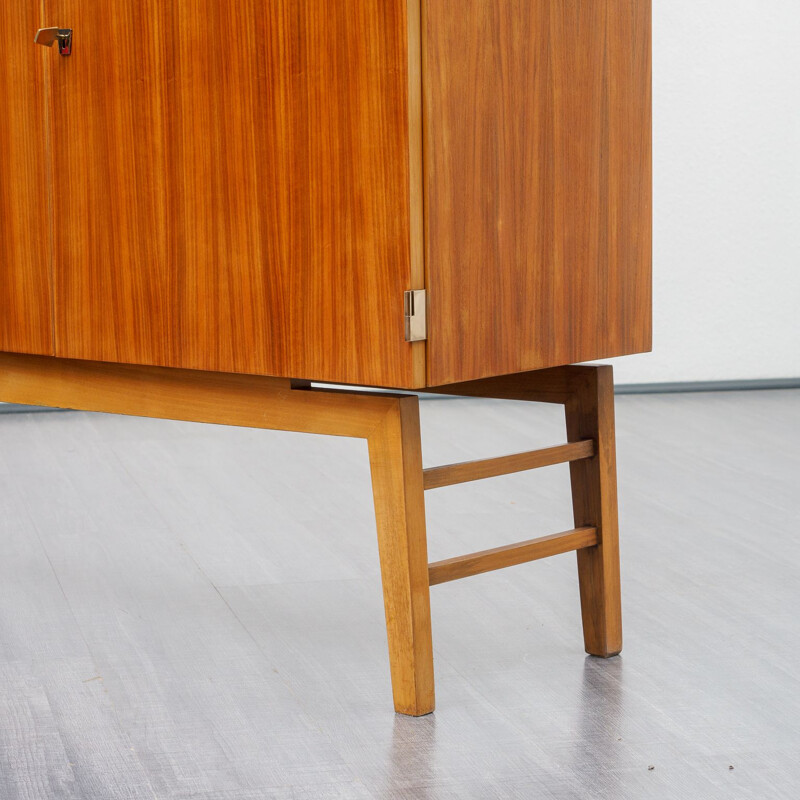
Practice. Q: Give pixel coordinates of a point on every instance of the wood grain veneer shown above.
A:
(25, 301)
(537, 183)
(250, 187)
(240, 186)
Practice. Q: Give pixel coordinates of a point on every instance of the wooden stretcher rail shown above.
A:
(452, 569)
(451, 474)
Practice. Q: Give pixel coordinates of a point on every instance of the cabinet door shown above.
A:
(25, 302)
(238, 192)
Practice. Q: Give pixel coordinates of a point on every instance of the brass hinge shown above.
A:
(415, 306)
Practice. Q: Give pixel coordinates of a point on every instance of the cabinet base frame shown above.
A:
(390, 424)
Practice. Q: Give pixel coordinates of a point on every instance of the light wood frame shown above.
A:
(390, 424)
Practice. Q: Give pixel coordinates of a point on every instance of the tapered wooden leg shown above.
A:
(590, 414)
(396, 462)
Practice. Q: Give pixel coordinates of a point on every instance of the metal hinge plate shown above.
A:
(416, 311)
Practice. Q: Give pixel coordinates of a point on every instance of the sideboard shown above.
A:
(209, 210)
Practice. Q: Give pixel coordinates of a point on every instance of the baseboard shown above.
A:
(16, 408)
(707, 386)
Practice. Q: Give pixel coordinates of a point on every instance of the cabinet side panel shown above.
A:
(241, 198)
(25, 300)
(537, 182)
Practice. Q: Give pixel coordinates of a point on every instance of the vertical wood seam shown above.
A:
(47, 87)
(416, 196)
(425, 132)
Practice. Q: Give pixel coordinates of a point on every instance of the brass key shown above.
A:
(47, 36)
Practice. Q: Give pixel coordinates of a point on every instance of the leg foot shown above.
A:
(590, 414)
(396, 464)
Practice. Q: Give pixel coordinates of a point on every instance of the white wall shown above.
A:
(726, 172)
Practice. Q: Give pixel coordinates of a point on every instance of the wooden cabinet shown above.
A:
(251, 187)
(207, 187)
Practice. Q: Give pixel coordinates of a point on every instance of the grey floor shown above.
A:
(195, 612)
